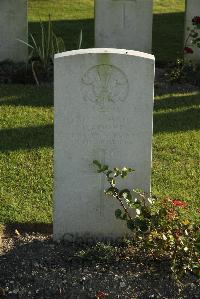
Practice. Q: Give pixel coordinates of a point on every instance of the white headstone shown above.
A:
(124, 24)
(13, 26)
(192, 10)
(103, 111)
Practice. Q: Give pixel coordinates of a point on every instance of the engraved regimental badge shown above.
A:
(104, 85)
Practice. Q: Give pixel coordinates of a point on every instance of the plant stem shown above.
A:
(175, 250)
(123, 206)
(34, 74)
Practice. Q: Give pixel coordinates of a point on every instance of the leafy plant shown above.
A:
(43, 50)
(99, 252)
(193, 38)
(177, 73)
(190, 70)
(163, 227)
(175, 236)
(138, 220)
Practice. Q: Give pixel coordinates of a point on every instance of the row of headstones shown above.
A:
(122, 24)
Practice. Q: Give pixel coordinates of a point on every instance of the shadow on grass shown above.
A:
(168, 32)
(26, 138)
(168, 36)
(26, 96)
(178, 121)
(69, 30)
(177, 101)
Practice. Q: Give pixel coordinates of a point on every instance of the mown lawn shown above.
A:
(26, 145)
(70, 16)
(176, 147)
(26, 151)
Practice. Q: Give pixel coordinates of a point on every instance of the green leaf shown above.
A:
(131, 170)
(104, 168)
(118, 213)
(126, 194)
(97, 163)
(109, 173)
(131, 224)
(25, 43)
(117, 172)
(124, 217)
(80, 39)
(137, 205)
(109, 179)
(124, 173)
(113, 182)
(162, 212)
(146, 212)
(155, 220)
(111, 191)
(143, 224)
(134, 205)
(194, 35)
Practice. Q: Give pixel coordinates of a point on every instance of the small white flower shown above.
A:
(127, 201)
(164, 237)
(185, 248)
(138, 212)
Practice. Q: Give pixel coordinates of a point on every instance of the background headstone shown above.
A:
(103, 111)
(13, 26)
(124, 24)
(192, 10)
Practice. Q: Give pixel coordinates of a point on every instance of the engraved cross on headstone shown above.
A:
(124, 6)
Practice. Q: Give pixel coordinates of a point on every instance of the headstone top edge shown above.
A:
(105, 51)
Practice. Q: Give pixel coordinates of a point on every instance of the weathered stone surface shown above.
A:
(192, 10)
(13, 26)
(103, 111)
(124, 24)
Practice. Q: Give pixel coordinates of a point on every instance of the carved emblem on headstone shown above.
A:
(104, 83)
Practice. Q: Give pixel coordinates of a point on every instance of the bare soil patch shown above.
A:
(33, 266)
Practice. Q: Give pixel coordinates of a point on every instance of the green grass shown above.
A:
(70, 16)
(26, 151)
(60, 9)
(26, 154)
(176, 147)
